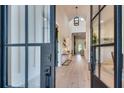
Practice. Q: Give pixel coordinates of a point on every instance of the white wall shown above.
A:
(63, 28)
(77, 29)
(87, 51)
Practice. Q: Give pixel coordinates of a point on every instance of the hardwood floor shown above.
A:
(75, 75)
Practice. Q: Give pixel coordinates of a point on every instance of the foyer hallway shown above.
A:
(75, 75)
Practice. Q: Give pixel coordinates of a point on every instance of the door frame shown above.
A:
(117, 48)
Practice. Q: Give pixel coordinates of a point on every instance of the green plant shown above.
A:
(94, 38)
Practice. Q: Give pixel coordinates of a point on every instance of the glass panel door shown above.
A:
(29, 46)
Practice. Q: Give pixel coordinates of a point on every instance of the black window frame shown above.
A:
(118, 61)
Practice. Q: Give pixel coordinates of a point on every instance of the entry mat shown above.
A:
(66, 63)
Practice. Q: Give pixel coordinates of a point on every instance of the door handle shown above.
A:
(47, 76)
(48, 70)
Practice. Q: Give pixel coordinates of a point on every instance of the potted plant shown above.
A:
(94, 39)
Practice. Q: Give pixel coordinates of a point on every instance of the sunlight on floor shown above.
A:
(75, 75)
(79, 58)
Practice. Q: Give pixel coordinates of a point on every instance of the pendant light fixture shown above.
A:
(76, 19)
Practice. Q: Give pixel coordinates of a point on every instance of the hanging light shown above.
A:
(76, 19)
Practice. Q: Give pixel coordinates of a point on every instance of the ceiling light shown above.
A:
(101, 21)
(76, 19)
(81, 19)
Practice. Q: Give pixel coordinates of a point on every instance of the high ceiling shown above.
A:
(70, 11)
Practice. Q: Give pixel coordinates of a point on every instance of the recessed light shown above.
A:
(81, 19)
(101, 21)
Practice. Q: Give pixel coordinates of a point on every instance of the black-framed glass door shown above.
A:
(28, 44)
(106, 54)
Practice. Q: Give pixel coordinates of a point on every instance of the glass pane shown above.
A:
(107, 25)
(107, 65)
(16, 66)
(35, 24)
(46, 24)
(95, 9)
(34, 67)
(97, 60)
(16, 24)
(95, 42)
(39, 24)
(95, 37)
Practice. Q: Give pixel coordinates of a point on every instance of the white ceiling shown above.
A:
(107, 14)
(84, 11)
(70, 11)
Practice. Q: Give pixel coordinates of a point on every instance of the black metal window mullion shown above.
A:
(91, 47)
(99, 48)
(5, 49)
(118, 46)
(101, 9)
(3, 61)
(26, 46)
(6, 43)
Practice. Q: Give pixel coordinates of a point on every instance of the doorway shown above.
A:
(72, 70)
(22, 50)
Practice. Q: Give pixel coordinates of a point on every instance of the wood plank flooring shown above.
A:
(75, 75)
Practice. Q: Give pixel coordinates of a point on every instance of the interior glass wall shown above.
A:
(103, 43)
(95, 42)
(107, 52)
